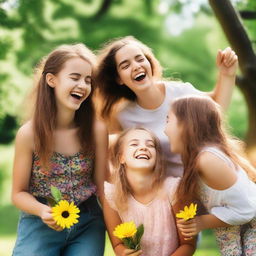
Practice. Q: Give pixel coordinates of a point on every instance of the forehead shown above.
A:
(128, 51)
(138, 135)
(77, 65)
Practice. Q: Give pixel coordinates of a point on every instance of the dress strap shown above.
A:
(217, 152)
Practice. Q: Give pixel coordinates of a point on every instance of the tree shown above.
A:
(240, 42)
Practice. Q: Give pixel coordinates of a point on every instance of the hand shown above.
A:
(227, 62)
(46, 216)
(189, 228)
(131, 252)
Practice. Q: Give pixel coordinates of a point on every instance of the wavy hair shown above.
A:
(119, 177)
(45, 112)
(201, 124)
(107, 74)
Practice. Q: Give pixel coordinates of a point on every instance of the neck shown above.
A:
(140, 181)
(150, 98)
(65, 119)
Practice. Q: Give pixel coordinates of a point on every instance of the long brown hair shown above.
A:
(202, 125)
(119, 178)
(106, 78)
(45, 113)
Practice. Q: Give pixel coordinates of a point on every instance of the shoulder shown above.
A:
(25, 134)
(211, 167)
(171, 185)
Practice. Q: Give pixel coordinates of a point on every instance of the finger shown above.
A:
(227, 55)
(138, 253)
(128, 251)
(232, 59)
(235, 61)
(219, 57)
(188, 234)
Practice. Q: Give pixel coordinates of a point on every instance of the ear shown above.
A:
(50, 79)
(122, 161)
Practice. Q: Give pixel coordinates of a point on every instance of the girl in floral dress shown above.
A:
(140, 193)
(216, 173)
(62, 146)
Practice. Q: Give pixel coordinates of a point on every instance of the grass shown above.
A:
(9, 214)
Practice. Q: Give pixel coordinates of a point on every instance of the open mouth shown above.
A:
(77, 95)
(140, 76)
(142, 156)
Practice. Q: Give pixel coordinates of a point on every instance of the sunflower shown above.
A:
(65, 214)
(125, 230)
(188, 212)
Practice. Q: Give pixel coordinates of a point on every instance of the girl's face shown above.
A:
(133, 67)
(173, 130)
(139, 152)
(72, 84)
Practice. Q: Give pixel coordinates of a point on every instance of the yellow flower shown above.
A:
(125, 230)
(188, 213)
(65, 214)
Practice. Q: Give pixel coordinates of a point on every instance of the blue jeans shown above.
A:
(86, 238)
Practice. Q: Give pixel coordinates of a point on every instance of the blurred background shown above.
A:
(184, 35)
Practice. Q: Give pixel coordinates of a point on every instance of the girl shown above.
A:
(129, 71)
(62, 145)
(141, 193)
(216, 173)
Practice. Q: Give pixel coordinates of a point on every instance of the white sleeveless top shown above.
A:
(235, 205)
(133, 115)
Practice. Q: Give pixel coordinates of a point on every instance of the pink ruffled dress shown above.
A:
(160, 233)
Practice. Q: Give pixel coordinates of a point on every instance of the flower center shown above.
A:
(65, 214)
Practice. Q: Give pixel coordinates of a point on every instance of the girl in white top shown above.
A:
(133, 92)
(214, 172)
(141, 193)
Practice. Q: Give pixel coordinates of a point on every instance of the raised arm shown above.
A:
(227, 63)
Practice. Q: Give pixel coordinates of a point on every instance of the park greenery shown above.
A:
(32, 28)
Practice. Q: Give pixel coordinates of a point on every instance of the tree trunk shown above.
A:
(239, 41)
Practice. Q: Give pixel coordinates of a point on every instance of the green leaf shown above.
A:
(56, 194)
(51, 201)
(139, 234)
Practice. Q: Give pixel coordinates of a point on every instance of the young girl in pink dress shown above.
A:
(141, 193)
(214, 172)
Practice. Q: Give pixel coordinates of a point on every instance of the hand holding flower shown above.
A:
(130, 236)
(188, 223)
(63, 213)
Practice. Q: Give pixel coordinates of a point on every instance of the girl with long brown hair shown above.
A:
(215, 172)
(134, 92)
(140, 192)
(62, 146)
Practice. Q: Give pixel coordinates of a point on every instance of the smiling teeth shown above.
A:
(140, 74)
(142, 156)
(77, 94)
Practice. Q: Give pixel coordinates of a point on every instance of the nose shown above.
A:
(136, 65)
(82, 84)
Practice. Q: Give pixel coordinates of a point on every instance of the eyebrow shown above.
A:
(75, 74)
(124, 61)
(136, 140)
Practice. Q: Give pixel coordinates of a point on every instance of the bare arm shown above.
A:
(112, 219)
(101, 156)
(227, 63)
(21, 197)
